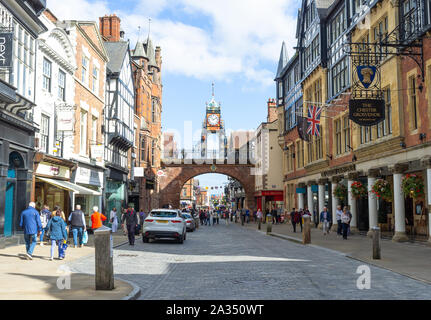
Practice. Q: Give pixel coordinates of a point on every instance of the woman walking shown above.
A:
(45, 215)
(58, 234)
(114, 220)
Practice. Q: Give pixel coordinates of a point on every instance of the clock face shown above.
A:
(213, 119)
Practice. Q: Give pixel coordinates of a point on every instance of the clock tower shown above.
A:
(213, 124)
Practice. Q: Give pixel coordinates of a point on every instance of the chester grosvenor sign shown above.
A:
(367, 112)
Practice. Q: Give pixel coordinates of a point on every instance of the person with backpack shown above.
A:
(57, 234)
(45, 216)
(30, 222)
(78, 226)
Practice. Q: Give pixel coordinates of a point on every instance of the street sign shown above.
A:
(160, 173)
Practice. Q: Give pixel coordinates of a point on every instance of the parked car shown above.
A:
(190, 222)
(164, 224)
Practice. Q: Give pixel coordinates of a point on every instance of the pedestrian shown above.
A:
(131, 219)
(259, 215)
(274, 215)
(77, 224)
(315, 218)
(278, 216)
(212, 217)
(97, 218)
(345, 220)
(142, 217)
(57, 233)
(113, 219)
(294, 218)
(218, 216)
(325, 219)
(45, 215)
(30, 222)
(350, 216)
(338, 214)
(247, 215)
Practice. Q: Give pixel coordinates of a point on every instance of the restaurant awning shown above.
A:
(70, 187)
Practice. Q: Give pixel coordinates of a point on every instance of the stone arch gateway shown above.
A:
(176, 175)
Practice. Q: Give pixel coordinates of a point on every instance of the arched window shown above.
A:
(15, 161)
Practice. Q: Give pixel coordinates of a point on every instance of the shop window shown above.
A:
(47, 73)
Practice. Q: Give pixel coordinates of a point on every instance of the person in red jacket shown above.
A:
(97, 218)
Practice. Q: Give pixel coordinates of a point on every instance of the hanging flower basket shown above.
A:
(358, 190)
(340, 192)
(383, 190)
(413, 186)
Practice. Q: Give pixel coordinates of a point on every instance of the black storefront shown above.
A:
(17, 130)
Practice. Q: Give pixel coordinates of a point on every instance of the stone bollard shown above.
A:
(242, 219)
(268, 224)
(104, 259)
(306, 231)
(259, 225)
(376, 243)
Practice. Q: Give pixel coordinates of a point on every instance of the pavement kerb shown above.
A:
(348, 256)
(136, 292)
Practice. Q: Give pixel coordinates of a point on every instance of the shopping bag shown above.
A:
(85, 237)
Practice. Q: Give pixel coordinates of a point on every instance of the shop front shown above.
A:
(269, 200)
(51, 177)
(90, 178)
(115, 190)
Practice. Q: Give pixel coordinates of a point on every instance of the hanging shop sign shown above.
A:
(367, 112)
(366, 75)
(6, 45)
(65, 120)
(301, 190)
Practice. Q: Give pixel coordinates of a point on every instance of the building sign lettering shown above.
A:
(6, 43)
(366, 112)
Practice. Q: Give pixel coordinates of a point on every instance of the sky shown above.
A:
(234, 44)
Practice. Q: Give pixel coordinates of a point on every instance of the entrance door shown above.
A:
(9, 208)
(409, 215)
(363, 217)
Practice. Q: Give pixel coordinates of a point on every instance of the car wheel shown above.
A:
(181, 240)
(145, 239)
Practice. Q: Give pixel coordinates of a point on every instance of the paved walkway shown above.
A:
(37, 279)
(410, 259)
(233, 262)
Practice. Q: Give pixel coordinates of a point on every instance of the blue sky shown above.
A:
(233, 43)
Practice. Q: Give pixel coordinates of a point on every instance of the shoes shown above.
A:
(41, 244)
(81, 245)
(74, 246)
(52, 258)
(29, 257)
(61, 258)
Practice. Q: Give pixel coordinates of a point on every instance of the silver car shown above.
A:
(190, 221)
(164, 224)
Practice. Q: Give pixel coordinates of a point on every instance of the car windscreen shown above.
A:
(164, 214)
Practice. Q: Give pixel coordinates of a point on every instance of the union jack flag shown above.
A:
(314, 120)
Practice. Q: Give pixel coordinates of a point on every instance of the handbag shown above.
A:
(85, 237)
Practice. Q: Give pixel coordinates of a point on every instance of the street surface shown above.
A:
(232, 262)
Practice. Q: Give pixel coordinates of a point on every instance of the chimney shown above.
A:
(272, 111)
(110, 27)
(158, 57)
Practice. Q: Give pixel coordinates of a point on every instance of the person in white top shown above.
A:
(114, 220)
(345, 220)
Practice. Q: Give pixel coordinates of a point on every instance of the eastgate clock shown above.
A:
(213, 119)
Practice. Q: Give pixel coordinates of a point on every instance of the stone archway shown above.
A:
(175, 176)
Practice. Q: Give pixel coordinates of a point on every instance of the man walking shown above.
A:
(325, 219)
(30, 222)
(77, 223)
(131, 219)
(294, 218)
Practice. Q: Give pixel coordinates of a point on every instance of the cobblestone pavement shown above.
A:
(229, 262)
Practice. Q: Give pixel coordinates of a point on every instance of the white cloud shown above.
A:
(244, 37)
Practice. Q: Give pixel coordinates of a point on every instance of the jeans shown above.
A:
(30, 242)
(325, 226)
(345, 229)
(77, 232)
(53, 244)
(131, 233)
(339, 227)
(294, 226)
(42, 233)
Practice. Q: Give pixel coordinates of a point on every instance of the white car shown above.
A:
(164, 224)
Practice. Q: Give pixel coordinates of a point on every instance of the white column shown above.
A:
(429, 202)
(334, 206)
(400, 212)
(321, 198)
(352, 204)
(300, 201)
(372, 205)
(309, 199)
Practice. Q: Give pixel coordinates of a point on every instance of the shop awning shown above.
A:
(70, 186)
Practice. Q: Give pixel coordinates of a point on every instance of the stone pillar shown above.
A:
(399, 205)
(310, 196)
(372, 201)
(322, 187)
(300, 198)
(306, 231)
(104, 259)
(375, 231)
(352, 201)
(335, 202)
